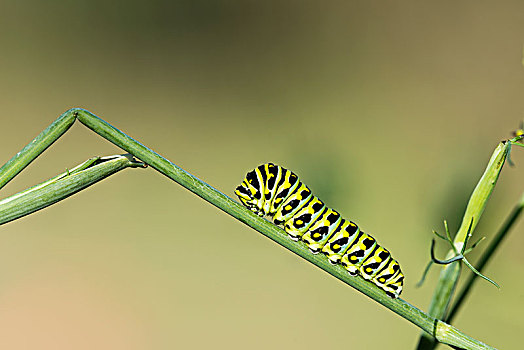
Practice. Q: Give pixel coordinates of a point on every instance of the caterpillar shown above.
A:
(278, 193)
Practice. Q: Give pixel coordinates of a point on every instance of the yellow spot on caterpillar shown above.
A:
(278, 200)
(336, 246)
(369, 269)
(353, 258)
(316, 235)
(288, 207)
(299, 222)
(382, 279)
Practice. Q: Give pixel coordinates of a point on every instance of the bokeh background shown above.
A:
(388, 110)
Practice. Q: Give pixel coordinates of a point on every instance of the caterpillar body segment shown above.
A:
(296, 199)
(385, 278)
(277, 192)
(301, 221)
(376, 261)
(358, 252)
(319, 231)
(287, 184)
(340, 241)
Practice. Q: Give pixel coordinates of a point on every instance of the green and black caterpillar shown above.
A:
(277, 192)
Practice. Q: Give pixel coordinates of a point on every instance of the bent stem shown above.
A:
(62, 186)
(441, 331)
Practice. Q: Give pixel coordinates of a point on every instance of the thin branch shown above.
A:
(443, 262)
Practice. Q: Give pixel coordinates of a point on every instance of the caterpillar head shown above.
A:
(249, 193)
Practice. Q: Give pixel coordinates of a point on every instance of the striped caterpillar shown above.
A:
(277, 192)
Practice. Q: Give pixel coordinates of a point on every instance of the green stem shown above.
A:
(450, 273)
(45, 139)
(438, 329)
(62, 186)
(486, 256)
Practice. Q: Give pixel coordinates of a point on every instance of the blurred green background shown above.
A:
(388, 110)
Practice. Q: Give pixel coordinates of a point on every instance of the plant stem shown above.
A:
(441, 331)
(63, 186)
(36, 147)
(476, 205)
(486, 256)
